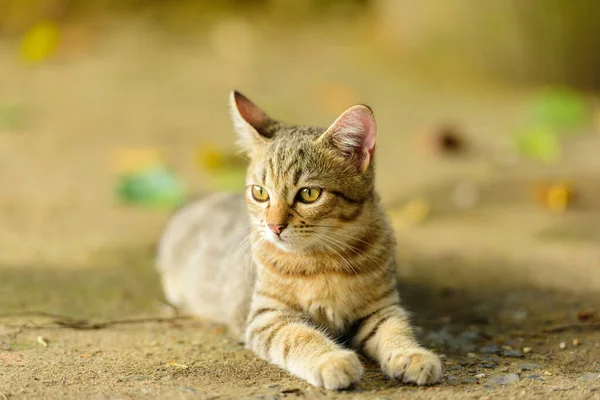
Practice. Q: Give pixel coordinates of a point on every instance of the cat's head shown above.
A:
(306, 187)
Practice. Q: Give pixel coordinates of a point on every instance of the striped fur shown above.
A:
(328, 275)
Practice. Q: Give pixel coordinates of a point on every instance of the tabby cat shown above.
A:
(301, 268)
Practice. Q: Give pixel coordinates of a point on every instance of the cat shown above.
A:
(305, 257)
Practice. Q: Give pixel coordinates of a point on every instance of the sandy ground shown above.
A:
(505, 273)
(484, 336)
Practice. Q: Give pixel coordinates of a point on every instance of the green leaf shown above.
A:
(539, 143)
(560, 109)
(12, 116)
(155, 187)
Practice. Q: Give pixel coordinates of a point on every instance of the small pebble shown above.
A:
(490, 349)
(536, 377)
(452, 380)
(471, 355)
(528, 366)
(526, 350)
(479, 376)
(465, 195)
(271, 386)
(547, 373)
(512, 353)
(562, 345)
(145, 390)
(488, 365)
(187, 389)
(505, 379)
(576, 342)
(590, 376)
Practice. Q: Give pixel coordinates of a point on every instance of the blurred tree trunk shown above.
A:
(542, 41)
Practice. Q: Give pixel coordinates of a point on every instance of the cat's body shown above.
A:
(319, 261)
(210, 278)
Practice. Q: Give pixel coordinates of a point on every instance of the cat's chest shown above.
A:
(329, 303)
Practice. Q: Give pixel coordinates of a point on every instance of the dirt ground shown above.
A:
(496, 288)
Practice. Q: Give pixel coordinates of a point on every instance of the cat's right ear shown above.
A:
(252, 124)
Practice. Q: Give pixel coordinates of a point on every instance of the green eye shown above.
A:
(308, 195)
(259, 193)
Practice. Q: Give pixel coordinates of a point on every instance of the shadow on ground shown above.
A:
(494, 340)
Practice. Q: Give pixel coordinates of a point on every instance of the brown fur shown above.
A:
(330, 273)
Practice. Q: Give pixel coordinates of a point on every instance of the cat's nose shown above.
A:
(277, 229)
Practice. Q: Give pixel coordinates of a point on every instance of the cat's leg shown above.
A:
(386, 336)
(285, 338)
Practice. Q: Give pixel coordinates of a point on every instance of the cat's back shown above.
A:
(201, 249)
(215, 216)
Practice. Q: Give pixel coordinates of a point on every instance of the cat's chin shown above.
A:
(289, 246)
(286, 246)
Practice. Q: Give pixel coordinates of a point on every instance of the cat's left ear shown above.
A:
(353, 134)
(252, 124)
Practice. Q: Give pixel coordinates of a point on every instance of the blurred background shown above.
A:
(112, 113)
(115, 112)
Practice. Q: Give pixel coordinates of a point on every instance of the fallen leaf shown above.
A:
(156, 187)
(174, 364)
(43, 341)
(130, 160)
(40, 42)
(555, 196)
(539, 143)
(560, 108)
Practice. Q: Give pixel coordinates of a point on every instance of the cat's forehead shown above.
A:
(298, 131)
(292, 159)
(294, 144)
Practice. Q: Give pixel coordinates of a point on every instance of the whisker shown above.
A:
(337, 232)
(340, 256)
(344, 245)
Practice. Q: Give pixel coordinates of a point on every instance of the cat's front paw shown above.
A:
(415, 365)
(336, 370)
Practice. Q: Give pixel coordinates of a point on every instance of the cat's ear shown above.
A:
(251, 123)
(353, 134)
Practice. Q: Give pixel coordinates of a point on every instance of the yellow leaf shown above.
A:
(40, 42)
(174, 364)
(558, 197)
(555, 196)
(136, 159)
(209, 157)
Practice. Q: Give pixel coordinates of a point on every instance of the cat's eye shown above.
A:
(308, 195)
(259, 193)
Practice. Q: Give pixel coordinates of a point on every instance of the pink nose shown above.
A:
(277, 229)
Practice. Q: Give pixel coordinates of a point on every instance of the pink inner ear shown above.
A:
(368, 122)
(250, 112)
(354, 134)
